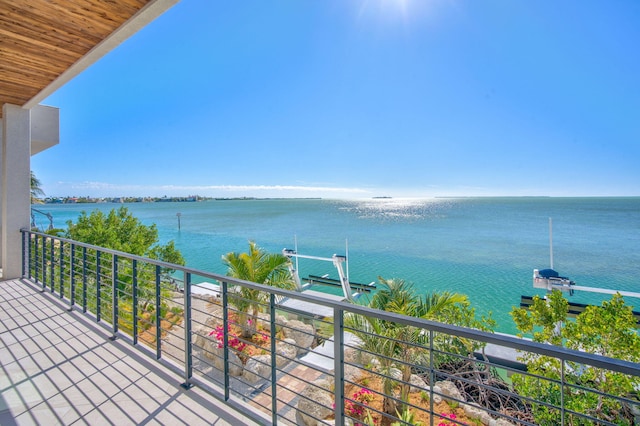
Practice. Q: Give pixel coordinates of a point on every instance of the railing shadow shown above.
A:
(297, 368)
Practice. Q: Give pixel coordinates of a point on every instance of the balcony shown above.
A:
(60, 367)
(100, 336)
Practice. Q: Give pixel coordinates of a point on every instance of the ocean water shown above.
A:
(485, 248)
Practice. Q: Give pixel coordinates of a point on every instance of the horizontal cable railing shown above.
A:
(352, 365)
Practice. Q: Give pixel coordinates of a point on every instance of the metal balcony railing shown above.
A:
(354, 365)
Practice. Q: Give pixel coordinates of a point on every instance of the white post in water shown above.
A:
(550, 243)
(346, 253)
(295, 247)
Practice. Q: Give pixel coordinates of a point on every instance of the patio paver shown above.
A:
(58, 368)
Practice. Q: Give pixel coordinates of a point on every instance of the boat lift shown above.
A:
(337, 261)
(549, 279)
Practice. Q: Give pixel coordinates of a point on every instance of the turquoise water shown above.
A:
(483, 247)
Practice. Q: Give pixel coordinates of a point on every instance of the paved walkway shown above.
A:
(59, 368)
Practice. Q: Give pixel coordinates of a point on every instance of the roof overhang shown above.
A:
(46, 43)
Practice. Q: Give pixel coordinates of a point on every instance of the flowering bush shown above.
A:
(233, 340)
(356, 408)
(446, 422)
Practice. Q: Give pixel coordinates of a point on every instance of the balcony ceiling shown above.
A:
(45, 43)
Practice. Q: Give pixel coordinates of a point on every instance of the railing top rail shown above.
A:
(509, 341)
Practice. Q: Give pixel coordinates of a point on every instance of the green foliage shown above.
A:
(120, 230)
(36, 189)
(407, 417)
(56, 232)
(607, 330)
(543, 318)
(259, 267)
(400, 346)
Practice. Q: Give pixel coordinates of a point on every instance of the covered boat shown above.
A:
(549, 279)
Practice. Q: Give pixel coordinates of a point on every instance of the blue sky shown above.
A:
(359, 98)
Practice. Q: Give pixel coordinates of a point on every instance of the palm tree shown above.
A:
(36, 189)
(396, 344)
(259, 267)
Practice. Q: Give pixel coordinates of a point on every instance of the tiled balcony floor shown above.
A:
(59, 368)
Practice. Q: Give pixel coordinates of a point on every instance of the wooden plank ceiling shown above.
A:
(41, 39)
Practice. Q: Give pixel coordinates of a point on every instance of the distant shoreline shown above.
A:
(198, 198)
(188, 199)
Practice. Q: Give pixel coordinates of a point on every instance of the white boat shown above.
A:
(549, 279)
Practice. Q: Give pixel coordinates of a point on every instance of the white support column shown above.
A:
(16, 194)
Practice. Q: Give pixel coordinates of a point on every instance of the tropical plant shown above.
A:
(36, 189)
(259, 267)
(120, 230)
(607, 330)
(407, 417)
(397, 345)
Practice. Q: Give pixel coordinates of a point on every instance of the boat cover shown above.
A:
(548, 273)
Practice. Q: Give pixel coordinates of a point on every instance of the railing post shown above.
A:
(274, 363)
(134, 295)
(61, 274)
(35, 260)
(562, 413)
(225, 338)
(84, 279)
(338, 359)
(44, 263)
(158, 317)
(98, 303)
(114, 295)
(24, 254)
(51, 266)
(26, 242)
(188, 361)
(432, 378)
(72, 277)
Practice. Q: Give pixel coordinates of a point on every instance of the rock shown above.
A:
(473, 411)
(286, 351)
(316, 402)
(213, 322)
(264, 321)
(417, 384)
(356, 356)
(352, 373)
(302, 333)
(500, 422)
(281, 321)
(200, 336)
(257, 368)
(395, 374)
(450, 392)
(211, 350)
(437, 394)
(374, 363)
